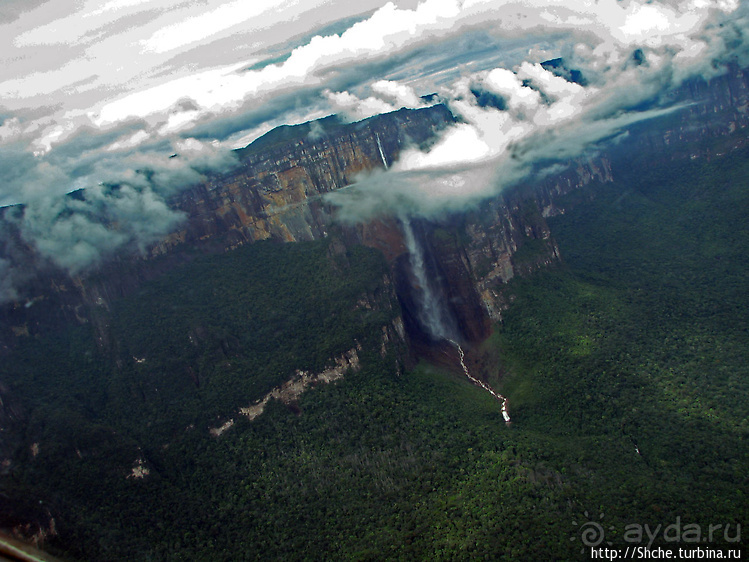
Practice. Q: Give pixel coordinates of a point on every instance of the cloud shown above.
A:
(26, 175)
(519, 98)
(206, 24)
(419, 184)
(513, 121)
(316, 131)
(389, 29)
(124, 205)
(323, 59)
(11, 10)
(388, 96)
(113, 89)
(76, 233)
(8, 290)
(400, 95)
(354, 108)
(463, 143)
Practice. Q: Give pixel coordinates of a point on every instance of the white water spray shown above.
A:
(431, 314)
(382, 153)
(482, 384)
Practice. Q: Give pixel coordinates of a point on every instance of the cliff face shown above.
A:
(276, 194)
(709, 124)
(510, 236)
(715, 108)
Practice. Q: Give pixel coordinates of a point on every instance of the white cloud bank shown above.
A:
(107, 91)
(610, 25)
(538, 115)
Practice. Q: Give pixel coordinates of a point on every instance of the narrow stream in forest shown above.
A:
(490, 390)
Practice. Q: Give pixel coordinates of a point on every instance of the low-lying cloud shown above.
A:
(124, 206)
(387, 96)
(113, 99)
(76, 233)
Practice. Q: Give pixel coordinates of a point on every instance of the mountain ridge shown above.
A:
(473, 254)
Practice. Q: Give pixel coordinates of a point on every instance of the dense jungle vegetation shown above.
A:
(625, 366)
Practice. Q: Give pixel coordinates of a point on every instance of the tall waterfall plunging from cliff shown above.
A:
(382, 153)
(432, 313)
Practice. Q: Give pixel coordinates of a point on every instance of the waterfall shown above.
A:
(432, 314)
(482, 384)
(382, 154)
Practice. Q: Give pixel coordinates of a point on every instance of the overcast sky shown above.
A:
(93, 90)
